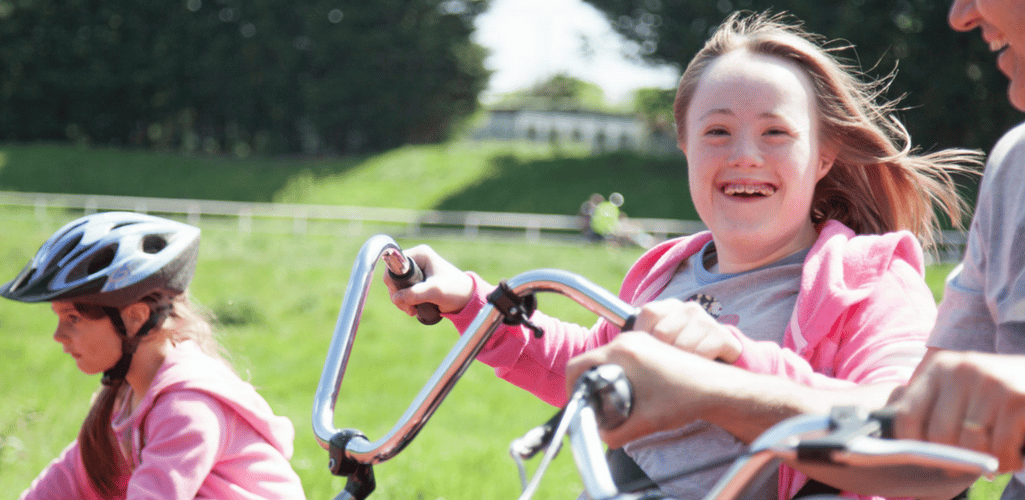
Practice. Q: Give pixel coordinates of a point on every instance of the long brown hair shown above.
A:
(879, 182)
(101, 457)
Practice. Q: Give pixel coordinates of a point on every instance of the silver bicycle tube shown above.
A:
(589, 456)
(765, 452)
(935, 461)
(344, 335)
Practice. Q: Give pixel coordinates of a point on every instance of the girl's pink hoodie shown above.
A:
(863, 314)
(199, 433)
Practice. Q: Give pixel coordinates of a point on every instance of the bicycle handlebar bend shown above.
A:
(356, 447)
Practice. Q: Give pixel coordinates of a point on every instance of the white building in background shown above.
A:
(601, 132)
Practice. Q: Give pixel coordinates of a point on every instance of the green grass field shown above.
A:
(277, 296)
(459, 176)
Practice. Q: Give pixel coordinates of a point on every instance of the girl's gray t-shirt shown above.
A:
(759, 303)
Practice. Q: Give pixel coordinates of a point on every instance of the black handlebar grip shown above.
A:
(610, 393)
(427, 313)
(886, 416)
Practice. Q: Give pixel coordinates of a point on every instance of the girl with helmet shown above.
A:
(172, 419)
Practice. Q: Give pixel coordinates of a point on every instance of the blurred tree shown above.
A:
(563, 86)
(954, 95)
(655, 107)
(561, 91)
(238, 76)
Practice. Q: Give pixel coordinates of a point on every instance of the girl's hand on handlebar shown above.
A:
(668, 384)
(687, 326)
(445, 285)
(967, 399)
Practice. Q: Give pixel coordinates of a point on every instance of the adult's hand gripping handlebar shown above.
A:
(350, 447)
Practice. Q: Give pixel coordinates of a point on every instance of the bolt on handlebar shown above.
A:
(458, 360)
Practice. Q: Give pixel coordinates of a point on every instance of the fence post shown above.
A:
(299, 222)
(245, 220)
(533, 232)
(471, 226)
(40, 209)
(193, 216)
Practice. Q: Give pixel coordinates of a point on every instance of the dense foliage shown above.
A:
(257, 75)
(955, 96)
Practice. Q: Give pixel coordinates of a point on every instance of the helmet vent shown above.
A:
(153, 244)
(71, 245)
(27, 278)
(102, 259)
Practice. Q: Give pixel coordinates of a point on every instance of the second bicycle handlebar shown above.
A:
(840, 440)
(354, 448)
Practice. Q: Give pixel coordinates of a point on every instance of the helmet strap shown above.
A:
(117, 372)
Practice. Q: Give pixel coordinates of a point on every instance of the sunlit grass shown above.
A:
(282, 293)
(487, 176)
(278, 295)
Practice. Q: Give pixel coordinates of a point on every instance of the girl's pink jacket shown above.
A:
(204, 434)
(863, 314)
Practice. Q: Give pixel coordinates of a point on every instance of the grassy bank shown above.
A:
(494, 177)
(277, 297)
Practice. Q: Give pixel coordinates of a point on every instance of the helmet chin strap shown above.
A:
(115, 374)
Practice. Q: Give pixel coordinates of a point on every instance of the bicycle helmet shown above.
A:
(112, 260)
(109, 259)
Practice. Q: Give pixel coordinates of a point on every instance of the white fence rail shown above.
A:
(470, 224)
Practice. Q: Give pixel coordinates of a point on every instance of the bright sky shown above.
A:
(533, 40)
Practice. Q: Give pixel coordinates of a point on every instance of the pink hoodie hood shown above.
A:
(841, 270)
(218, 380)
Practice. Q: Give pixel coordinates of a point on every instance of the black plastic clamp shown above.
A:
(846, 424)
(361, 481)
(338, 461)
(515, 310)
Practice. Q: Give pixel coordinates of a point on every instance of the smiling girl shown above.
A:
(172, 420)
(806, 292)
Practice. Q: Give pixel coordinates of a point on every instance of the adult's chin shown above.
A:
(1012, 65)
(1016, 94)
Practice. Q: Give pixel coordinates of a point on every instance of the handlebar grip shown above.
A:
(427, 313)
(886, 416)
(610, 393)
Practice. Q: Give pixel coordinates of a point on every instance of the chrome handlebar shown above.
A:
(843, 439)
(785, 441)
(361, 450)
